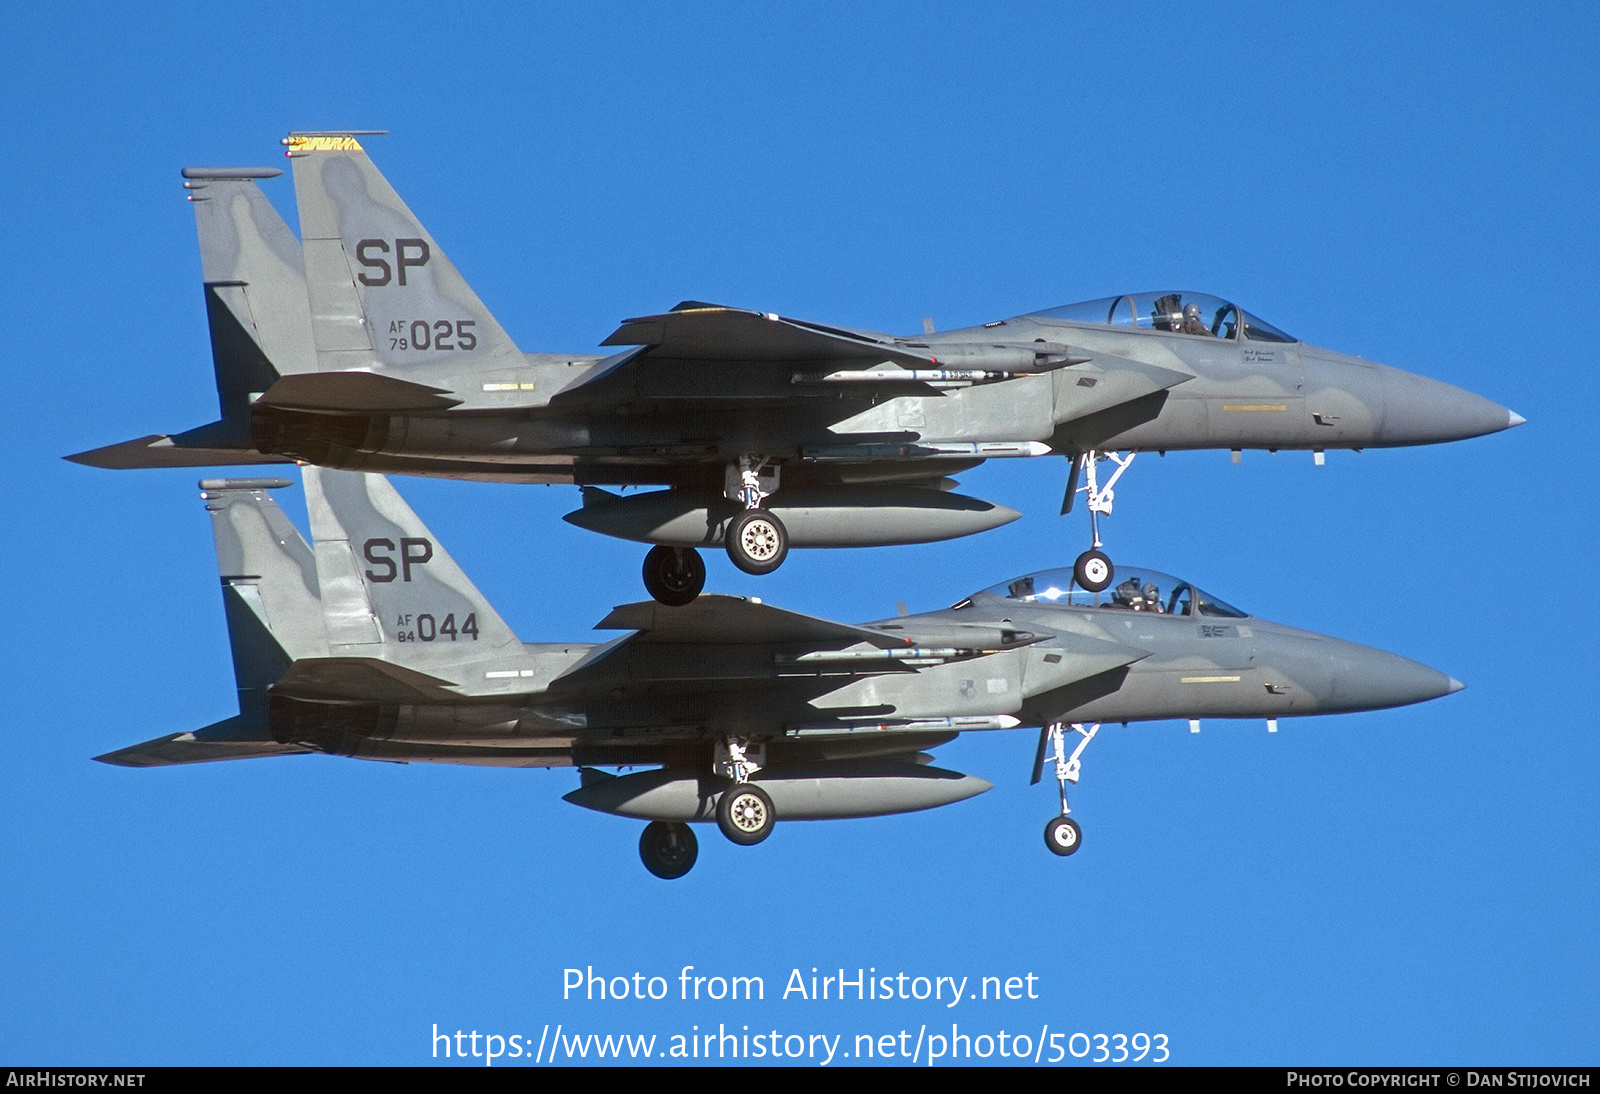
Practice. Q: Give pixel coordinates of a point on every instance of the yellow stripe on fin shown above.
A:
(323, 144)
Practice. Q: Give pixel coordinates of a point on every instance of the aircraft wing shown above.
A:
(710, 332)
(726, 620)
(728, 639)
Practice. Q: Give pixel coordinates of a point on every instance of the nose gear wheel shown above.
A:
(1062, 835)
(1092, 571)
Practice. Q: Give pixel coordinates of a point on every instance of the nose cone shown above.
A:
(1363, 678)
(1417, 410)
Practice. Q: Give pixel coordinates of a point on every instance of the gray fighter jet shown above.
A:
(374, 644)
(365, 349)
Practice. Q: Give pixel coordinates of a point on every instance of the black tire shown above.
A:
(744, 813)
(1092, 571)
(1063, 836)
(674, 575)
(757, 541)
(668, 849)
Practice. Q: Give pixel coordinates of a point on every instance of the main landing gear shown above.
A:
(1062, 835)
(674, 575)
(744, 813)
(1092, 570)
(668, 849)
(756, 540)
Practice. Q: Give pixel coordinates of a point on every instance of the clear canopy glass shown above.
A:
(1132, 588)
(1174, 312)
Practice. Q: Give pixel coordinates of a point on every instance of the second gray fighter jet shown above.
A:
(373, 643)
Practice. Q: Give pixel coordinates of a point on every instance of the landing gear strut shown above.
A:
(756, 539)
(1092, 571)
(674, 575)
(668, 849)
(744, 812)
(1062, 835)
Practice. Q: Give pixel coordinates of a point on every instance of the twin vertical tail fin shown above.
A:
(382, 292)
(255, 292)
(378, 611)
(270, 587)
(255, 285)
(274, 612)
(390, 591)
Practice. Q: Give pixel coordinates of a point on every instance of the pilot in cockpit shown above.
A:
(1126, 595)
(1129, 596)
(1192, 322)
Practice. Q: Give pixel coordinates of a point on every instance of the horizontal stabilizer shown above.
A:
(162, 450)
(236, 738)
(362, 678)
(723, 620)
(354, 391)
(711, 333)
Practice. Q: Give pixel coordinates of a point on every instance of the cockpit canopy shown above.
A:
(1176, 312)
(1132, 589)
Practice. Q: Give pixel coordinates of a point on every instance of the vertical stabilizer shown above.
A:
(382, 292)
(269, 584)
(255, 285)
(389, 589)
(269, 589)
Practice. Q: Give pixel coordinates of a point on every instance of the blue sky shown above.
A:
(1412, 886)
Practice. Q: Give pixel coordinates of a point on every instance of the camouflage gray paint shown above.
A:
(375, 644)
(414, 375)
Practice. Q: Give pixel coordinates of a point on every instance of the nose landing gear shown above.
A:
(1092, 571)
(1062, 835)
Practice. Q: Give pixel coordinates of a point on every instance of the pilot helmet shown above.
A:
(1152, 595)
